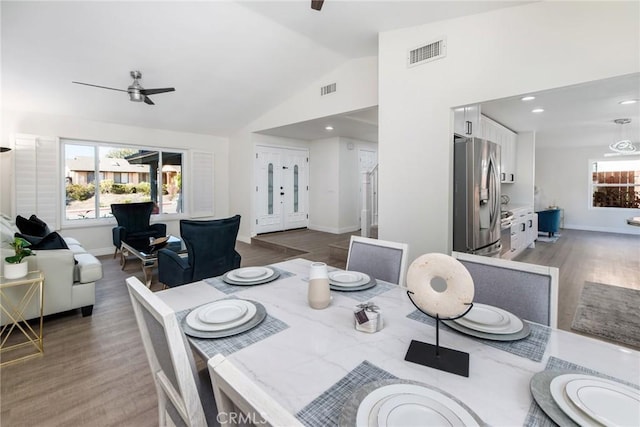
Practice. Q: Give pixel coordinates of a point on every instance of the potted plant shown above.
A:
(16, 266)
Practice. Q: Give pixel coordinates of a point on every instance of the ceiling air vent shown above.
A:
(426, 53)
(326, 90)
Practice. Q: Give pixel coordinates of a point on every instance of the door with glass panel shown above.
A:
(281, 189)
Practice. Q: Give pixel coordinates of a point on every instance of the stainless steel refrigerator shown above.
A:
(476, 202)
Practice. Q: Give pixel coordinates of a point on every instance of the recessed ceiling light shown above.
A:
(628, 101)
(328, 128)
(527, 98)
(537, 110)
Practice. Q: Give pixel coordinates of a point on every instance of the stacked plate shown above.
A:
(224, 318)
(590, 400)
(249, 276)
(411, 404)
(350, 281)
(489, 322)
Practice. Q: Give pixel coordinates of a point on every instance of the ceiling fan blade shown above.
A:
(102, 87)
(154, 91)
(148, 100)
(316, 4)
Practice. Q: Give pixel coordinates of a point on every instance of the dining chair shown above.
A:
(527, 290)
(380, 259)
(241, 402)
(185, 396)
(211, 252)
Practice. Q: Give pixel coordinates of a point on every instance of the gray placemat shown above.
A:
(222, 286)
(367, 294)
(225, 346)
(531, 347)
(325, 410)
(536, 416)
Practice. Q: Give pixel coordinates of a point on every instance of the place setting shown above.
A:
(490, 323)
(573, 397)
(357, 285)
(234, 280)
(223, 318)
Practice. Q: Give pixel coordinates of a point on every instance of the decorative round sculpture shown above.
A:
(441, 285)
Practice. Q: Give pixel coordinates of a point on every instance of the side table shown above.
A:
(15, 297)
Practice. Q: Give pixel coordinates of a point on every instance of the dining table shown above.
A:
(313, 362)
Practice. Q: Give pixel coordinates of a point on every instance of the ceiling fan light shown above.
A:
(135, 96)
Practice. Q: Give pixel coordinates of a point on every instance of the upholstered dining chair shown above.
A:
(241, 402)
(211, 252)
(380, 259)
(133, 223)
(185, 396)
(529, 291)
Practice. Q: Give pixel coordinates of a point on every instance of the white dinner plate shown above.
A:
(608, 402)
(221, 312)
(368, 406)
(348, 279)
(250, 274)
(415, 410)
(488, 315)
(194, 321)
(513, 325)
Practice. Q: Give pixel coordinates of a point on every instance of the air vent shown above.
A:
(426, 53)
(326, 90)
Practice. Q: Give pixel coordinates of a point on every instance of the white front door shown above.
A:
(282, 177)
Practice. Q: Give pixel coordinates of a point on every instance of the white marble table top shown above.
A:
(321, 346)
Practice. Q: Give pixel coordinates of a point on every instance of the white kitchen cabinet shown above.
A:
(524, 230)
(466, 121)
(507, 140)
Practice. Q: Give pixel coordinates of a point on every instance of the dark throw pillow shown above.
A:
(50, 241)
(31, 227)
(41, 223)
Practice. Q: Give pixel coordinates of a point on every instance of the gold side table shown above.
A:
(13, 303)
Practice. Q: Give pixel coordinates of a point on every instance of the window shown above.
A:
(615, 184)
(124, 175)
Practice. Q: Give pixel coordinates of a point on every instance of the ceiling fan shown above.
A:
(136, 92)
(316, 4)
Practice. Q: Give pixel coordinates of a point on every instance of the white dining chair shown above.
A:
(185, 396)
(380, 259)
(241, 402)
(527, 290)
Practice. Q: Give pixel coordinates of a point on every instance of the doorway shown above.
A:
(282, 190)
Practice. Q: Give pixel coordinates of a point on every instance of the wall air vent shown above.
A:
(426, 53)
(326, 90)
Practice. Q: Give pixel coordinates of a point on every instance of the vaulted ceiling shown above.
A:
(229, 61)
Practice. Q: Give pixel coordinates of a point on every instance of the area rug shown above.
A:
(610, 312)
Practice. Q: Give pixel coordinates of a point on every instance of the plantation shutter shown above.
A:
(37, 178)
(202, 184)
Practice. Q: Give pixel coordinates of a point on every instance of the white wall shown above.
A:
(356, 89)
(492, 55)
(324, 184)
(98, 240)
(563, 176)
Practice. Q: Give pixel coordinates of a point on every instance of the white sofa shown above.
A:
(67, 285)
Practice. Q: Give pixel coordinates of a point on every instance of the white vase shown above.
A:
(319, 292)
(16, 271)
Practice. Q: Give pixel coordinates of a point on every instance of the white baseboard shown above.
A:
(244, 239)
(102, 251)
(333, 230)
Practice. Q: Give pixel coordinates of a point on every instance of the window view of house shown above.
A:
(97, 176)
(616, 184)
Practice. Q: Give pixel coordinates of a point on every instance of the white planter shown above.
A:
(16, 271)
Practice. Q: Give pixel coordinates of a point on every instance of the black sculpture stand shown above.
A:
(434, 356)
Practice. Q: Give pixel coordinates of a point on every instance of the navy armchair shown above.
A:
(211, 252)
(549, 221)
(133, 223)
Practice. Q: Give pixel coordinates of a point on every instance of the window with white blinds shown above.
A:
(44, 172)
(38, 182)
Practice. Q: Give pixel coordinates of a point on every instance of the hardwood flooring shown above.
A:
(94, 371)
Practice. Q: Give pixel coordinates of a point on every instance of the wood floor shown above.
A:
(94, 371)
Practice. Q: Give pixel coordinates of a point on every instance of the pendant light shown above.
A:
(622, 144)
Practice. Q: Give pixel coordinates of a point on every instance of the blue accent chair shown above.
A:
(549, 221)
(133, 223)
(211, 252)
